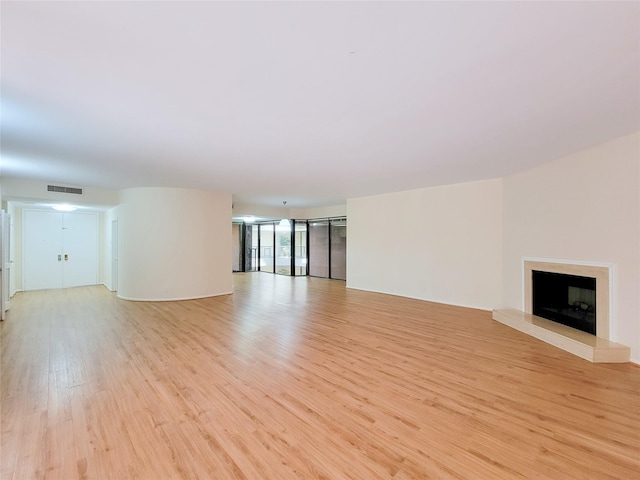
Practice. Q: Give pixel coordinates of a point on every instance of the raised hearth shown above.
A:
(582, 344)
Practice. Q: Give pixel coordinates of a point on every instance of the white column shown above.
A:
(174, 244)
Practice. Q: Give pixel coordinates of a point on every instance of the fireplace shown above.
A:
(573, 294)
(578, 294)
(566, 299)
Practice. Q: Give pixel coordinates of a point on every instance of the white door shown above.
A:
(60, 249)
(5, 264)
(79, 248)
(42, 254)
(114, 255)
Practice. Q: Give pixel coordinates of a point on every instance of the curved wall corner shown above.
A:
(174, 244)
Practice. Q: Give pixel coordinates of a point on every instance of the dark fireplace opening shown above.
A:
(566, 299)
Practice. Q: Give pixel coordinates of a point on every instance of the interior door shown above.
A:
(114, 255)
(42, 234)
(60, 249)
(79, 249)
(4, 263)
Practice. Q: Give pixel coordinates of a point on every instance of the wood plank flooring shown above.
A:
(300, 378)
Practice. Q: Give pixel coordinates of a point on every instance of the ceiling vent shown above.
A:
(56, 188)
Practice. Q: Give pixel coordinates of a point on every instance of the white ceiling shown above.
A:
(307, 102)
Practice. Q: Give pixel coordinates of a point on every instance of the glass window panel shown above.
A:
(339, 249)
(251, 245)
(283, 249)
(300, 252)
(249, 263)
(266, 248)
(319, 248)
(236, 246)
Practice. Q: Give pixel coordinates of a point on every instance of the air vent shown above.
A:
(56, 188)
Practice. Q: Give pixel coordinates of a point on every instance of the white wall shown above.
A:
(319, 212)
(175, 243)
(442, 244)
(583, 207)
(464, 244)
(263, 211)
(282, 212)
(19, 189)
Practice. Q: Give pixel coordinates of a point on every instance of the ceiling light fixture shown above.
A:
(285, 221)
(64, 208)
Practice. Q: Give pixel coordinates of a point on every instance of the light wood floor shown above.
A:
(300, 378)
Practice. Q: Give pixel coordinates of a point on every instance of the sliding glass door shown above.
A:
(283, 249)
(319, 248)
(303, 247)
(328, 248)
(300, 247)
(266, 243)
(338, 249)
(236, 246)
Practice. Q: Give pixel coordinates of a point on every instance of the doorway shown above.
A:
(60, 250)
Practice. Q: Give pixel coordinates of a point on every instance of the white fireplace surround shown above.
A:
(602, 272)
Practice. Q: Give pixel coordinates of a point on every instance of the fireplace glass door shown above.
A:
(566, 299)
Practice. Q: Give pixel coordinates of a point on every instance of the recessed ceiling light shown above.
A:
(64, 208)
